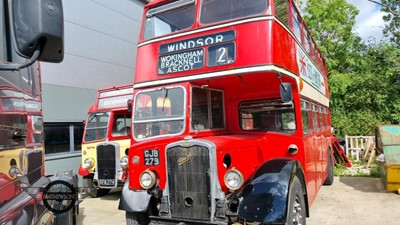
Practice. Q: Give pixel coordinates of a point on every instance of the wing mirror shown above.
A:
(286, 92)
(37, 31)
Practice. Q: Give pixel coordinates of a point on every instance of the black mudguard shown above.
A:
(264, 197)
(133, 201)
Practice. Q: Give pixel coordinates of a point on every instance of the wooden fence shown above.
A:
(360, 148)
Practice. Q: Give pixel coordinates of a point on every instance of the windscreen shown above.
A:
(96, 126)
(159, 112)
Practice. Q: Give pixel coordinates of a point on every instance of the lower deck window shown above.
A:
(267, 115)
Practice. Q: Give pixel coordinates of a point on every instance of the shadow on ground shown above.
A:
(364, 184)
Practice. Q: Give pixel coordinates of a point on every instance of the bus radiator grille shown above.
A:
(189, 182)
(106, 168)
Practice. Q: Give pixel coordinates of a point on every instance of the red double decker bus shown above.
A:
(231, 120)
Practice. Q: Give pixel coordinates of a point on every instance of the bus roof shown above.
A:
(113, 97)
(156, 2)
(114, 88)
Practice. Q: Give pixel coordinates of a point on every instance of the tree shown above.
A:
(364, 78)
(392, 28)
(368, 96)
(331, 23)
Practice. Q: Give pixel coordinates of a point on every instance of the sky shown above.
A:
(369, 20)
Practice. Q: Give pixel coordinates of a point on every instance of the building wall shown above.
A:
(100, 51)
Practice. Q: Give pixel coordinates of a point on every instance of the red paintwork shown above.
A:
(263, 42)
(83, 171)
(9, 189)
(251, 51)
(340, 156)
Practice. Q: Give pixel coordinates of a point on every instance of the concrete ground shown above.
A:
(350, 200)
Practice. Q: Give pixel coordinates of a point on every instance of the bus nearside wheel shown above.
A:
(296, 207)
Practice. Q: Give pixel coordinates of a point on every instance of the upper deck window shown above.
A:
(159, 112)
(213, 11)
(281, 8)
(169, 18)
(297, 24)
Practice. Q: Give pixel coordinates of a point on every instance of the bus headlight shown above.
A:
(88, 163)
(14, 172)
(147, 179)
(233, 179)
(124, 162)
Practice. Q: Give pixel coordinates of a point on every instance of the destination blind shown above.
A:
(188, 54)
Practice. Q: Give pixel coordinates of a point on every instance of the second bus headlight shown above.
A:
(233, 179)
(147, 179)
(88, 162)
(124, 162)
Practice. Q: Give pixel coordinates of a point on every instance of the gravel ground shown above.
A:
(355, 201)
(350, 200)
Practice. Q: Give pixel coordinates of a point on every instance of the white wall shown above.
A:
(100, 51)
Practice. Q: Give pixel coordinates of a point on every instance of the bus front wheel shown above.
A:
(92, 190)
(296, 208)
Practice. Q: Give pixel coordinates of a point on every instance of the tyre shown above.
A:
(296, 207)
(91, 190)
(137, 218)
(329, 179)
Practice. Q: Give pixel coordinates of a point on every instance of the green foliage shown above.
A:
(364, 77)
(331, 23)
(392, 28)
(358, 169)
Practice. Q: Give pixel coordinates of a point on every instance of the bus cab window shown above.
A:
(207, 109)
(121, 125)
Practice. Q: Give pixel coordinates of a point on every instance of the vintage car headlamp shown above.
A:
(147, 179)
(124, 162)
(88, 163)
(233, 179)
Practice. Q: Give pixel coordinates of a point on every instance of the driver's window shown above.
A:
(121, 126)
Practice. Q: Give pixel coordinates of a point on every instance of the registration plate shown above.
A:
(107, 182)
(151, 157)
